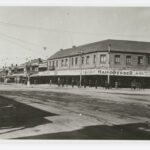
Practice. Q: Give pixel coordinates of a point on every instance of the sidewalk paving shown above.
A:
(74, 89)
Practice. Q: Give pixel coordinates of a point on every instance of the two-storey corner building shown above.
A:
(108, 61)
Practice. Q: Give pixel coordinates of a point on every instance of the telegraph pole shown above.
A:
(28, 72)
(81, 52)
(108, 77)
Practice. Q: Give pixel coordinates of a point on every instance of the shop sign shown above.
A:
(116, 72)
(111, 72)
(124, 73)
(46, 73)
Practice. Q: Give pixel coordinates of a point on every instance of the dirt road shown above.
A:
(79, 113)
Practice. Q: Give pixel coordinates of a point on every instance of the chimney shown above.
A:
(109, 47)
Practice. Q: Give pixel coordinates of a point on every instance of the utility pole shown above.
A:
(81, 53)
(108, 77)
(28, 72)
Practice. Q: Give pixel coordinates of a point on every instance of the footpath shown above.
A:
(75, 89)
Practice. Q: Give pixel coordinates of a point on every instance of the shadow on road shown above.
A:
(103, 132)
(14, 115)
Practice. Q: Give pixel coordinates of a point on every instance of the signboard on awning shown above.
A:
(44, 73)
(124, 73)
(111, 72)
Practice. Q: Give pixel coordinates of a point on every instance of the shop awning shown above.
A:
(19, 75)
(43, 73)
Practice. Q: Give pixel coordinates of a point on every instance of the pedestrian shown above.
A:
(78, 83)
(84, 83)
(143, 85)
(133, 85)
(66, 82)
(96, 83)
(72, 83)
(50, 82)
(106, 85)
(58, 82)
(62, 82)
(90, 83)
(116, 84)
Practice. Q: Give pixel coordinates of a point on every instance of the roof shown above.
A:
(19, 75)
(43, 65)
(35, 62)
(101, 46)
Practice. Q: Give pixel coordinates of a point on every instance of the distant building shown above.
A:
(19, 73)
(35, 68)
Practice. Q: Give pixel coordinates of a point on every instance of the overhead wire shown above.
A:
(65, 30)
(21, 40)
(16, 43)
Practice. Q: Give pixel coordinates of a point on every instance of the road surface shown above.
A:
(44, 112)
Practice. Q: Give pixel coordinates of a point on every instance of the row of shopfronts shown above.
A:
(93, 77)
(89, 77)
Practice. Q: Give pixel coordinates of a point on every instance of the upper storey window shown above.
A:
(128, 60)
(66, 62)
(140, 60)
(62, 63)
(117, 59)
(87, 59)
(72, 61)
(53, 64)
(103, 58)
(56, 63)
(94, 59)
(82, 60)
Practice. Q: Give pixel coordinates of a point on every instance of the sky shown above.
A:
(38, 32)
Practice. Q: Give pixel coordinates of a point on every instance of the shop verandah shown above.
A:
(93, 81)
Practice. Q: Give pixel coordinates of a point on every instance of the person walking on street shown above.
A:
(96, 83)
(78, 83)
(90, 83)
(72, 83)
(84, 83)
(62, 82)
(66, 82)
(50, 82)
(58, 82)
